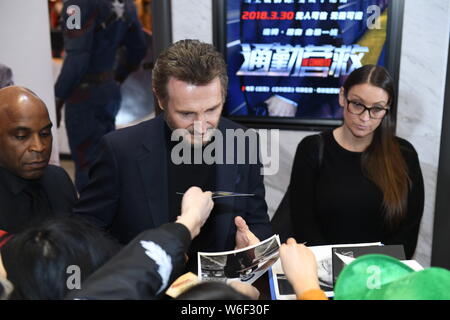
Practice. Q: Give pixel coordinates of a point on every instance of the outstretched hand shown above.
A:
(299, 266)
(244, 237)
(195, 209)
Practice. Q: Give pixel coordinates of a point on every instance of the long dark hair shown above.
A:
(382, 161)
(37, 259)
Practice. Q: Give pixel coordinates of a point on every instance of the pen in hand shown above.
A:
(225, 194)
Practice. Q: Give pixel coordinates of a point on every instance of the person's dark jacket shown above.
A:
(142, 270)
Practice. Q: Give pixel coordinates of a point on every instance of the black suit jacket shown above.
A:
(60, 192)
(128, 188)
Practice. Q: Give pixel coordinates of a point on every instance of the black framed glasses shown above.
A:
(359, 108)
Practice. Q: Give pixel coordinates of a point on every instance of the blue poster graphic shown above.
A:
(289, 58)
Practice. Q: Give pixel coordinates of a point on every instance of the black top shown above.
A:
(185, 175)
(334, 203)
(180, 178)
(28, 202)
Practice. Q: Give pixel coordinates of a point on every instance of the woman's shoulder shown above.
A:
(313, 141)
(309, 149)
(405, 145)
(407, 149)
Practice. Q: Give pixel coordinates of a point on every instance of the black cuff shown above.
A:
(181, 231)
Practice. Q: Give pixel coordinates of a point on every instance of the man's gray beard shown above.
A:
(191, 138)
(193, 142)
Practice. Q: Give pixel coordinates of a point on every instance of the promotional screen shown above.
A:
(288, 58)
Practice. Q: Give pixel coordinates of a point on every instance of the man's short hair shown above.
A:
(190, 61)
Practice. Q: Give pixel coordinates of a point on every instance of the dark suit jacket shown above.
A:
(60, 192)
(128, 188)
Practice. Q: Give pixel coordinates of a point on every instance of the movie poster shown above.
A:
(289, 58)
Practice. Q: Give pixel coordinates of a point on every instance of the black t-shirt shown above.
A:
(335, 203)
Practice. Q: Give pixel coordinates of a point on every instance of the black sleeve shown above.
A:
(302, 192)
(60, 190)
(142, 270)
(67, 184)
(408, 231)
(99, 199)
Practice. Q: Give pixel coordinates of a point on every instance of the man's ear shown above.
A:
(161, 106)
(342, 99)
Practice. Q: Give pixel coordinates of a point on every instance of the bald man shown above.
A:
(31, 190)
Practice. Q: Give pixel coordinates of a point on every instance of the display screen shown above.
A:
(287, 59)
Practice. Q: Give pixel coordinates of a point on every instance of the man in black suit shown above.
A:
(30, 189)
(137, 181)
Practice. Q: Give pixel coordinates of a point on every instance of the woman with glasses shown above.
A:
(358, 182)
